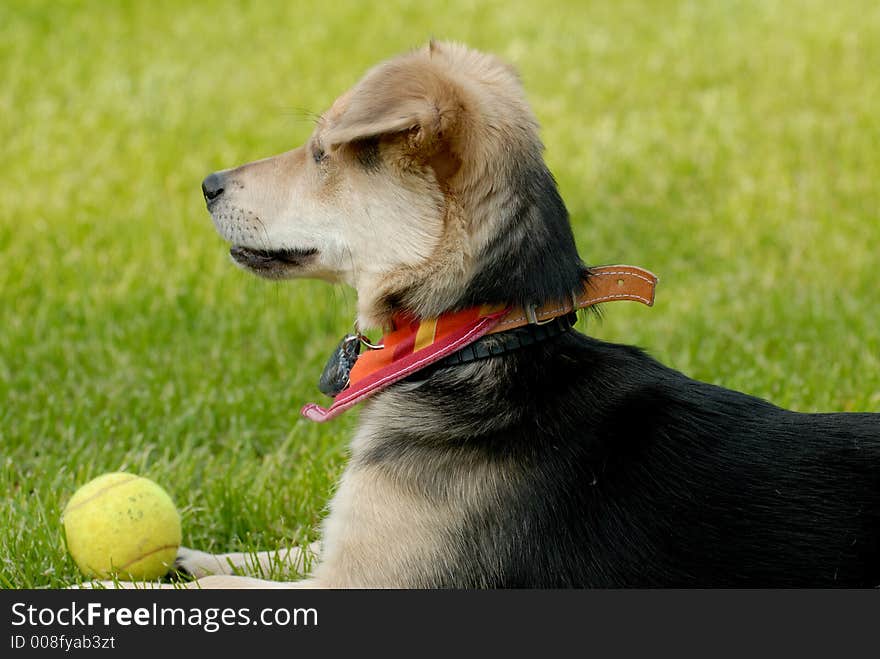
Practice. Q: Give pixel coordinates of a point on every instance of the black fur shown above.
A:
(618, 471)
(533, 258)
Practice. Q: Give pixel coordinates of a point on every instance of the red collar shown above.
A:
(414, 344)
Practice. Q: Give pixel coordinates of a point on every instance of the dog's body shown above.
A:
(571, 462)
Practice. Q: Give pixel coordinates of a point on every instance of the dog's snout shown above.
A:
(213, 186)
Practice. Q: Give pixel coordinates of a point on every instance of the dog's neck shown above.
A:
(512, 246)
(415, 344)
(425, 290)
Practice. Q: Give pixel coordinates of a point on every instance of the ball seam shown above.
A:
(100, 492)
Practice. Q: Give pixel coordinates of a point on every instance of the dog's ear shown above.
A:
(396, 101)
(369, 117)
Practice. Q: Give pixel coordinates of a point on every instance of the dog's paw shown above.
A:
(120, 585)
(198, 564)
(188, 563)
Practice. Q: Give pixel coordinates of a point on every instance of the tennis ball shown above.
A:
(124, 525)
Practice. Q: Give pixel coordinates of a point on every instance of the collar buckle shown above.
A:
(533, 317)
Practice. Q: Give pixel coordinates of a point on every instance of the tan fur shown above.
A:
(384, 525)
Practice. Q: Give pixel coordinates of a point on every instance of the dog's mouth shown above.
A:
(271, 263)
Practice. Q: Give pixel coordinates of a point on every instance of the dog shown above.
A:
(561, 460)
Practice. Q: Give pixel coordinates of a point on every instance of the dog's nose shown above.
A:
(212, 186)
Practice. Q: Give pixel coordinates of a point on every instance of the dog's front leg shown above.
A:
(292, 561)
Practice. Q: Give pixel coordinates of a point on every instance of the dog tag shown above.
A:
(338, 369)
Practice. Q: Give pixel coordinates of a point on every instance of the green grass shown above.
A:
(731, 147)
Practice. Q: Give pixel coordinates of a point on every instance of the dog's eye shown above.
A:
(318, 154)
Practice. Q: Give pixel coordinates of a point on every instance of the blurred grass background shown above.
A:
(731, 147)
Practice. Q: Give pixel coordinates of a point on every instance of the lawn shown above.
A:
(731, 147)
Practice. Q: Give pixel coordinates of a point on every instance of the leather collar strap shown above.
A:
(605, 284)
(414, 344)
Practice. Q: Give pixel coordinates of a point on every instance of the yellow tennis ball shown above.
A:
(124, 525)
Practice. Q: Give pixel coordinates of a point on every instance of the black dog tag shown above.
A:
(336, 373)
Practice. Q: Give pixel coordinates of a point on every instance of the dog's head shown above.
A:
(423, 187)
